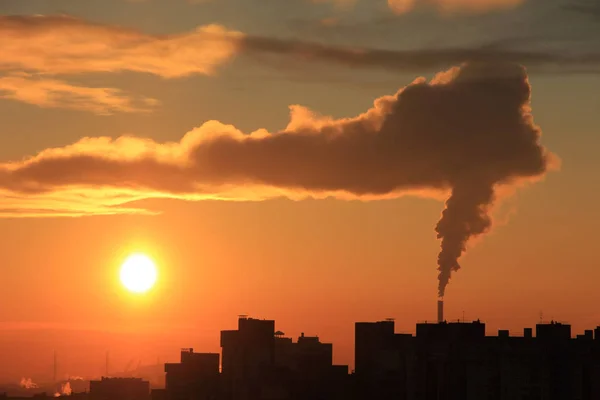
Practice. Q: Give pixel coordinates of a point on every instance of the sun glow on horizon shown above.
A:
(138, 273)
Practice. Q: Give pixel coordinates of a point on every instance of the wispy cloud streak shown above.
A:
(53, 93)
(453, 6)
(66, 45)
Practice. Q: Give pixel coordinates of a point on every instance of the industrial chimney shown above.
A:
(440, 311)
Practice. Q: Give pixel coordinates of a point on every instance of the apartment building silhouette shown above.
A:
(443, 361)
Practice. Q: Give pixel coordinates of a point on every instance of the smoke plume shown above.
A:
(466, 133)
(28, 383)
(65, 390)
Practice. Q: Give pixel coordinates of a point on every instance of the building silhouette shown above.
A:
(44, 395)
(257, 363)
(119, 388)
(443, 361)
(455, 360)
(196, 376)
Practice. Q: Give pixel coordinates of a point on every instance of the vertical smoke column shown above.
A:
(465, 217)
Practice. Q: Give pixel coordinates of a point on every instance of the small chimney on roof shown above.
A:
(440, 311)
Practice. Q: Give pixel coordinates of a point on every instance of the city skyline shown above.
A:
(112, 365)
(442, 360)
(290, 159)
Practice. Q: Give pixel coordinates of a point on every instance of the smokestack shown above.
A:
(440, 311)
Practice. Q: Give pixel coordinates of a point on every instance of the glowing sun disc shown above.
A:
(138, 273)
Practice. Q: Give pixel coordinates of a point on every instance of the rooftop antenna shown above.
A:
(541, 317)
(463, 316)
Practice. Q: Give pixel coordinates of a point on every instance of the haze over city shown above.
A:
(169, 165)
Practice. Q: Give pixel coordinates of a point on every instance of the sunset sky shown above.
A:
(161, 127)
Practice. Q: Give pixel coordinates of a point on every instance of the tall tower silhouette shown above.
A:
(55, 368)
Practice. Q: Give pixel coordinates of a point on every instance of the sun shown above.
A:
(138, 273)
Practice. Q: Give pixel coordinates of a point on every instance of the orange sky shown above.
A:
(315, 266)
(278, 260)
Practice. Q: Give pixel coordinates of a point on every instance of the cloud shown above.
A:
(36, 48)
(343, 4)
(187, 1)
(401, 6)
(427, 138)
(420, 59)
(453, 6)
(66, 45)
(54, 45)
(52, 93)
(444, 6)
(589, 8)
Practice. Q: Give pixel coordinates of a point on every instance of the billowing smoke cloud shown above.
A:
(465, 133)
(28, 383)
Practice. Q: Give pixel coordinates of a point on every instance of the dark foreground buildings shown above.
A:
(119, 389)
(443, 361)
(457, 361)
(258, 363)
